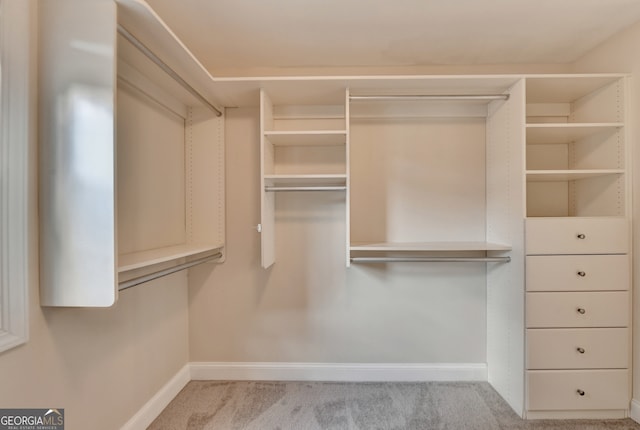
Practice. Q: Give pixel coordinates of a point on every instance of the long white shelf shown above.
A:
(568, 175)
(307, 137)
(138, 260)
(429, 246)
(567, 132)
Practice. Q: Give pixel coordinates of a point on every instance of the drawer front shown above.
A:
(561, 390)
(582, 309)
(576, 236)
(577, 272)
(581, 348)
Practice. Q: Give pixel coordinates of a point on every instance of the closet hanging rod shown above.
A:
(391, 97)
(166, 68)
(159, 274)
(430, 259)
(337, 188)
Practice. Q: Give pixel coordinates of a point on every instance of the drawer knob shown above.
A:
(582, 274)
(580, 350)
(581, 236)
(580, 392)
(581, 311)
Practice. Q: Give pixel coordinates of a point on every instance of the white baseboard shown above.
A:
(355, 372)
(635, 410)
(150, 411)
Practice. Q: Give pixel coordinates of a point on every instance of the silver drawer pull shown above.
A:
(580, 350)
(580, 392)
(581, 311)
(581, 236)
(582, 274)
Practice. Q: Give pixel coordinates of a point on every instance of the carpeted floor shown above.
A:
(207, 405)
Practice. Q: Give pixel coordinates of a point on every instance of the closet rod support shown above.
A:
(336, 188)
(443, 97)
(159, 274)
(166, 68)
(430, 259)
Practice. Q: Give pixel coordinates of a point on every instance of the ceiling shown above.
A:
(252, 34)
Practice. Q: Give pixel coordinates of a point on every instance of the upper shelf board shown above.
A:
(307, 138)
(430, 246)
(140, 19)
(567, 132)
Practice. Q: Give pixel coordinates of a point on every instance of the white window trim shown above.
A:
(15, 119)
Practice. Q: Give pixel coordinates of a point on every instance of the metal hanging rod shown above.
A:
(159, 274)
(460, 97)
(336, 188)
(430, 259)
(166, 68)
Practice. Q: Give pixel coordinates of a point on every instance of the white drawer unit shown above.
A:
(578, 389)
(583, 309)
(577, 272)
(581, 348)
(577, 246)
(607, 235)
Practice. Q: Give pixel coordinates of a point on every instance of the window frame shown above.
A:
(16, 145)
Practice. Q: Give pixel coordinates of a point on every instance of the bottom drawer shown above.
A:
(577, 389)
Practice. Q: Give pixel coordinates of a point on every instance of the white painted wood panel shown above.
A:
(607, 235)
(581, 348)
(577, 273)
(558, 390)
(577, 309)
(505, 189)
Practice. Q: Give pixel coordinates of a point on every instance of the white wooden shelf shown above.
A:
(568, 175)
(307, 137)
(429, 246)
(138, 260)
(320, 179)
(566, 132)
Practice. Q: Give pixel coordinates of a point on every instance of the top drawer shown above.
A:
(576, 236)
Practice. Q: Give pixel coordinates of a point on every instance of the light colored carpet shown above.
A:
(212, 405)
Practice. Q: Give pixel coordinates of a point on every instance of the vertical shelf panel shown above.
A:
(505, 212)
(77, 154)
(267, 200)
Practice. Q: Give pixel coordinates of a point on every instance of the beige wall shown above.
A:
(620, 54)
(100, 365)
(308, 307)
